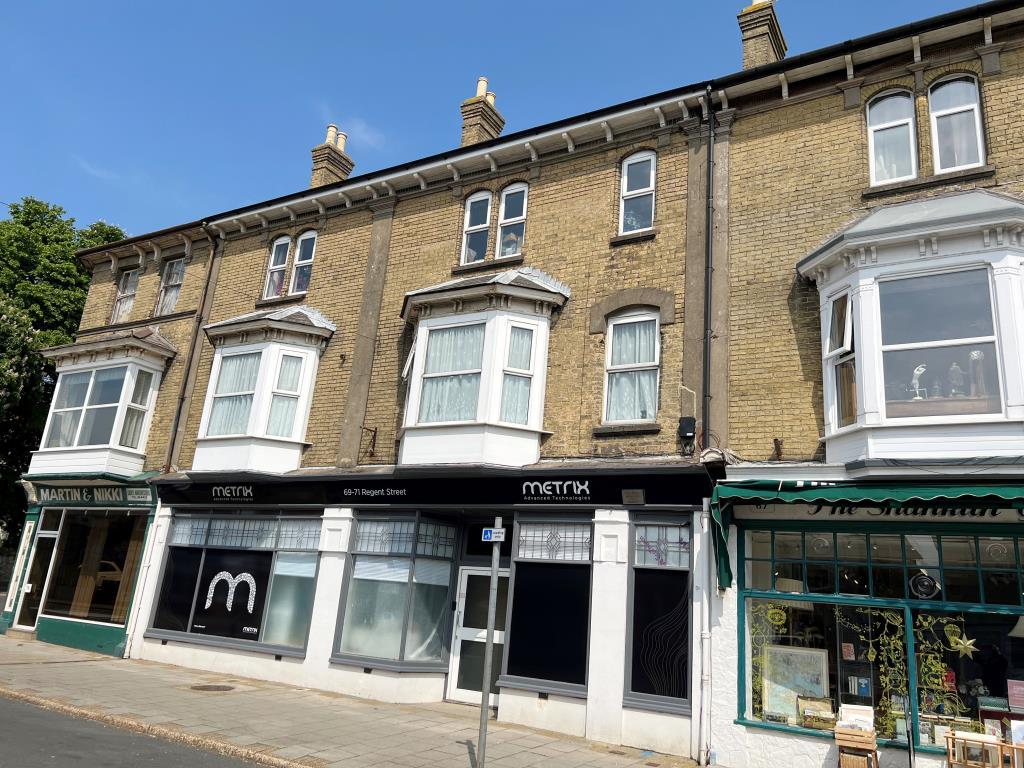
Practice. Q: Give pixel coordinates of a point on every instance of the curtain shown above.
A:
(168, 299)
(520, 345)
(633, 343)
(892, 153)
(288, 376)
(452, 398)
(72, 389)
(632, 395)
(958, 139)
(230, 414)
(375, 610)
(97, 426)
(63, 426)
(515, 399)
(282, 415)
(106, 386)
(132, 429)
(429, 612)
(290, 605)
(140, 392)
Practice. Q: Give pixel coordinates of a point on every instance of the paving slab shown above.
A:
(280, 725)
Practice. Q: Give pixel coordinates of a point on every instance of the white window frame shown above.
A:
(873, 129)
(497, 335)
(307, 235)
(165, 283)
(649, 190)
(625, 318)
(524, 373)
(123, 402)
(295, 394)
(504, 222)
(266, 379)
(124, 301)
(423, 375)
(272, 268)
(833, 358)
(994, 339)
(468, 230)
(935, 115)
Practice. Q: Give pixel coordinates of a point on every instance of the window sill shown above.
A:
(78, 448)
(277, 301)
(223, 642)
(260, 438)
(797, 730)
(478, 266)
(938, 180)
(569, 690)
(474, 424)
(626, 430)
(633, 237)
(658, 704)
(388, 665)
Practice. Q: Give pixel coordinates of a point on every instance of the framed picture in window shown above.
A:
(790, 673)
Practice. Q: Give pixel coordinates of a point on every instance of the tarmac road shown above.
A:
(31, 737)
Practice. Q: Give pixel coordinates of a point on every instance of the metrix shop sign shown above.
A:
(93, 495)
(661, 487)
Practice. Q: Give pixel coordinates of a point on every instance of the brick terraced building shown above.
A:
(281, 429)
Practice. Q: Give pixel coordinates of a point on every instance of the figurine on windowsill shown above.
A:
(956, 380)
(915, 383)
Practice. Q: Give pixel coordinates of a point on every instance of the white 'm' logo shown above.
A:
(233, 581)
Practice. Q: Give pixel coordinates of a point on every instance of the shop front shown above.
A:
(78, 562)
(375, 584)
(897, 603)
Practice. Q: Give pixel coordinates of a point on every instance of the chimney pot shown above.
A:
(330, 163)
(481, 86)
(490, 97)
(342, 138)
(481, 120)
(763, 42)
(332, 133)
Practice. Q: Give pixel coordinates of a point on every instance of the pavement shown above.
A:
(38, 738)
(279, 725)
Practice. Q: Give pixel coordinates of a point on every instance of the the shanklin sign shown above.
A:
(659, 487)
(881, 513)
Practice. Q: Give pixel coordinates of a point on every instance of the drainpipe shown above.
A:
(704, 724)
(192, 361)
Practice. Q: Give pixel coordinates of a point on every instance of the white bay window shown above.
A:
(477, 370)
(921, 309)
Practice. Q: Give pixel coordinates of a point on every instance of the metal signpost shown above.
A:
(495, 535)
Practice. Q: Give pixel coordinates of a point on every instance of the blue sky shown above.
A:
(150, 114)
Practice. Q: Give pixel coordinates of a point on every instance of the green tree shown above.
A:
(43, 287)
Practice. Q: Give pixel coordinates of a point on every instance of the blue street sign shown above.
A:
(493, 534)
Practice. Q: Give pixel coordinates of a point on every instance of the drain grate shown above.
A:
(212, 688)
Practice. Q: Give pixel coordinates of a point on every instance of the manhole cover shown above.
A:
(213, 688)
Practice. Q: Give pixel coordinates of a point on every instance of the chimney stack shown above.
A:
(481, 120)
(763, 42)
(330, 163)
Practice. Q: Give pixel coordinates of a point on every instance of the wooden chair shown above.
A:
(857, 749)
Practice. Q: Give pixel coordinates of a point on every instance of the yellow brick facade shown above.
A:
(797, 175)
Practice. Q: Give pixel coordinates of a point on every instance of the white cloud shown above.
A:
(359, 131)
(96, 171)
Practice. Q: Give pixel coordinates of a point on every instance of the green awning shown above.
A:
(726, 495)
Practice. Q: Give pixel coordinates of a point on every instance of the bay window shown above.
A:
(636, 197)
(548, 631)
(100, 407)
(262, 392)
(892, 138)
(956, 124)
(396, 607)
(939, 345)
(840, 355)
(173, 275)
(127, 286)
(512, 221)
(517, 376)
(947, 605)
(476, 227)
(632, 366)
(240, 579)
(658, 661)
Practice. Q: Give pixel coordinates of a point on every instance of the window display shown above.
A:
(927, 630)
(242, 578)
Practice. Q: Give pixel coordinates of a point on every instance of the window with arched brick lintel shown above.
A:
(663, 301)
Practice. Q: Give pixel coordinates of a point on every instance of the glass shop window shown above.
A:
(549, 632)
(659, 664)
(938, 345)
(94, 569)
(397, 605)
(243, 578)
